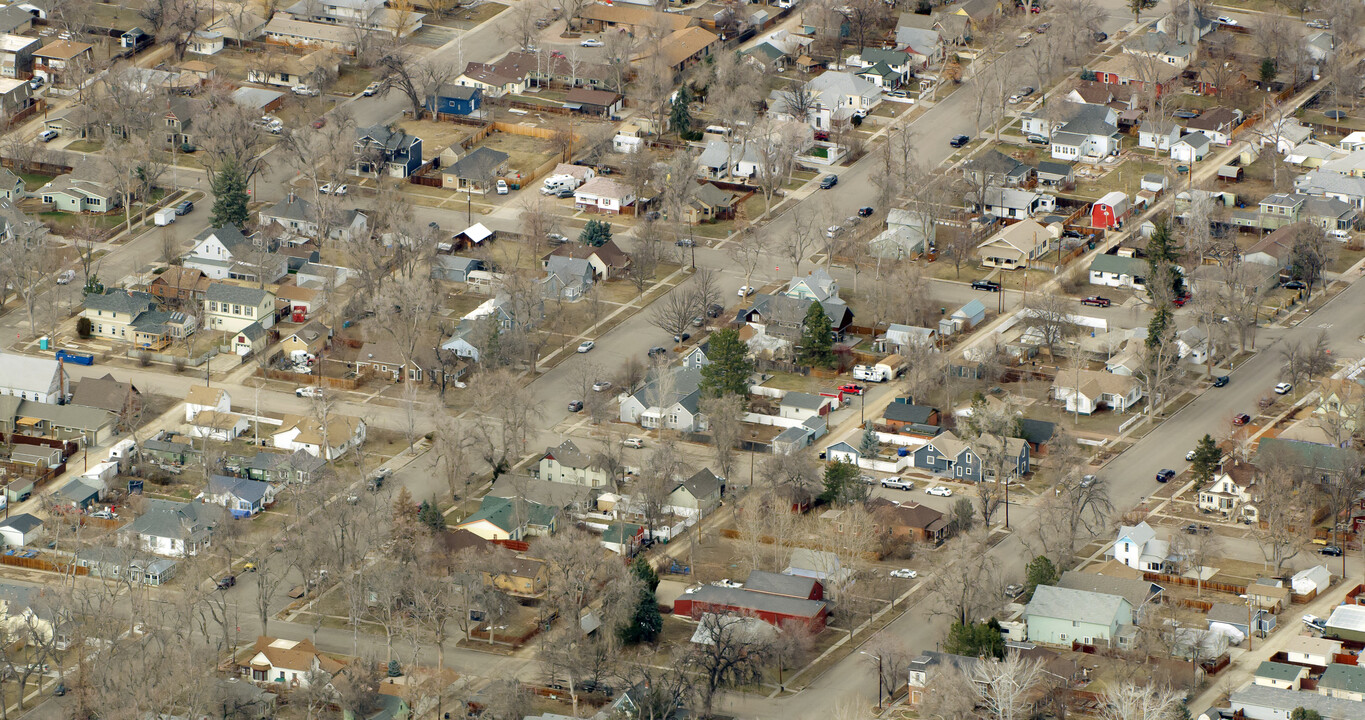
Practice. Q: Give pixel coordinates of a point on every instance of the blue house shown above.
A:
(455, 100)
(949, 455)
(241, 496)
(383, 150)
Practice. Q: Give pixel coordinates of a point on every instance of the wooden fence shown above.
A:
(38, 563)
(1191, 582)
(343, 383)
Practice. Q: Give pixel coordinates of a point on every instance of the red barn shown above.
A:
(1110, 211)
(770, 597)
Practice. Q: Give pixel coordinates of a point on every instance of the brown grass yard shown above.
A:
(525, 153)
(436, 136)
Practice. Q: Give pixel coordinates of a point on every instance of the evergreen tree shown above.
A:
(1040, 571)
(1207, 458)
(1268, 69)
(817, 339)
(430, 516)
(645, 572)
(1159, 327)
(680, 115)
(729, 366)
(975, 640)
(646, 623)
(870, 444)
(842, 486)
(596, 233)
(1163, 257)
(229, 196)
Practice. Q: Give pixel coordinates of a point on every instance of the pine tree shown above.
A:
(646, 623)
(430, 516)
(842, 486)
(870, 444)
(596, 233)
(1163, 256)
(817, 339)
(1207, 458)
(1268, 69)
(680, 115)
(229, 196)
(1158, 327)
(645, 572)
(728, 368)
(1040, 571)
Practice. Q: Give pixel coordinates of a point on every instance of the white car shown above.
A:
(591, 42)
(897, 483)
(1189, 456)
(727, 582)
(308, 392)
(556, 238)
(939, 491)
(340, 189)
(834, 231)
(1341, 235)
(304, 90)
(325, 188)
(1283, 389)
(370, 89)
(66, 277)
(633, 442)
(586, 345)
(1315, 622)
(1225, 20)
(1014, 99)
(746, 291)
(904, 573)
(600, 385)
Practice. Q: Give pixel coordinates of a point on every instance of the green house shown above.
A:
(1061, 616)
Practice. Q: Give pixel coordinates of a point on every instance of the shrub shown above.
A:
(178, 364)
(144, 358)
(84, 327)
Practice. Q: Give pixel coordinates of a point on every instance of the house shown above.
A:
(886, 68)
(287, 663)
(358, 14)
(15, 19)
(328, 441)
(220, 426)
(1190, 148)
(904, 337)
(994, 168)
(231, 696)
(513, 518)
(1193, 345)
(493, 80)
(910, 519)
(765, 56)
(72, 194)
(1347, 188)
(947, 454)
(1012, 203)
(33, 418)
(773, 598)
(565, 463)
(668, 400)
(1081, 132)
(1138, 547)
(603, 196)
(1273, 249)
(1343, 681)
(597, 17)
(63, 62)
(242, 497)
(1129, 70)
(38, 379)
(383, 150)
(173, 528)
(779, 318)
(1279, 675)
(386, 362)
(1257, 702)
(602, 103)
(1017, 245)
(1110, 211)
(710, 203)
(1119, 271)
(282, 30)
(205, 42)
(225, 253)
(907, 234)
(20, 530)
(201, 398)
(1311, 581)
(459, 100)
(1155, 183)
(16, 55)
(1140, 594)
(476, 171)
(298, 218)
(608, 260)
(566, 278)
(1060, 616)
(1240, 617)
(802, 406)
(1268, 594)
(454, 268)
(12, 186)
(682, 49)
(1088, 391)
(179, 286)
(120, 398)
(1161, 46)
(1216, 124)
(521, 577)
(1322, 461)
(1231, 493)
(924, 668)
(696, 496)
(1037, 433)
(112, 312)
(836, 98)
(903, 416)
(1158, 134)
(289, 70)
(229, 308)
(1314, 651)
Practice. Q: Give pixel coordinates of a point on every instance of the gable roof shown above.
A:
(910, 413)
(603, 187)
(1119, 265)
(22, 522)
(568, 455)
(778, 584)
(29, 373)
(1305, 454)
(236, 294)
(682, 44)
(105, 393)
(500, 513)
(1078, 605)
(181, 521)
(244, 488)
(909, 514)
(293, 654)
(702, 484)
(477, 165)
(1136, 592)
(116, 300)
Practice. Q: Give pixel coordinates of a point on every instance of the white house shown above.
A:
(669, 400)
(173, 528)
(242, 497)
(225, 253)
(287, 663)
(229, 308)
(1082, 132)
(1158, 134)
(1086, 391)
(20, 530)
(1191, 148)
(804, 406)
(202, 397)
(328, 441)
(29, 378)
(1193, 345)
(1119, 271)
(698, 495)
(565, 463)
(220, 426)
(603, 195)
(1230, 493)
(835, 97)
(1305, 582)
(1138, 547)
(1306, 650)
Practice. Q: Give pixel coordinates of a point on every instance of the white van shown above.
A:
(558, 183)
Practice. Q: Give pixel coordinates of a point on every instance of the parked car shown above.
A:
(1196, 529)
(1331, 551)
(1088, 480)
(1338, 234)
(1225, 20)
(906, 573)
(1097, 301)
(656, 351)
(897, 483)
(47, 135)
(591, 42)
(1185, 114)
(865, 211)
(564, 194)
(600, 385)
(746, 291)
(227, 582)
(698, 321)
(319, 123)
(851, 389)
(867, 479)
(1014, 590)
(987, 285)
(308, 392)
(184, 207)
(370, 89)
(1283, 389)
(939, 491)
(304, 91)
(586, 345)
(502, 187)
(575, 406)
(684, 242)
(1295, 285)
(1241, 419)
(35, 83)
(681, 337)
(1189, 456)
(1036, 139)
(66, 277)
(1181, 300)
(1165, 475)
(1099, 36)
(959, 140)
(1221, 381)
(1314, 622)
(633, 442)
(834, 231)
(1320, 24)
(714, 310)
(829, 181)
(556, 238)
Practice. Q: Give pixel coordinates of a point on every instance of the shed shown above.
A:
(1110, 211)
(1230, 173)
(20, 530)
(1240, 617)
(842, 452)
(1279, 675)
(1347, 622)
(1311, 581)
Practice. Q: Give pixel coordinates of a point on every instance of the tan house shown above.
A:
(1341, 402)
(289, 70)
(1018, 245)
(287, 663)
(179, 285)
(524, 577)
(683, 48)
(634, 19)
(311, 338)
(1231, 494)
(63, 61)
(338, 436)
(607, 261)
(1272, 597)
(1086, 391)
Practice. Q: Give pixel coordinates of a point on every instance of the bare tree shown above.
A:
(735, 655)
(1005, 688)
(1131, 701)
(416, 79)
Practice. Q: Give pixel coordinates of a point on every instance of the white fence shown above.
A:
(767, 391)
(901, 440)
(886, 466)
(774, 420)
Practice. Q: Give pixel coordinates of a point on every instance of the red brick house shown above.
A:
(908, 519)
(770, 597)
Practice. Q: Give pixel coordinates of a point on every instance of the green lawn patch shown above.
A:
(33, 181)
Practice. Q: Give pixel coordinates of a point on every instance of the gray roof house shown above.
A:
(1259, 702)
(475, 171)
(225, 253)
(241, 496)
(33, 378)
(1060, 616)
(1140, 594)
(298, 218)
(949, 455)
(384, 150)
(697, 495)
(175, 529)
(668, 400)
(566, 278)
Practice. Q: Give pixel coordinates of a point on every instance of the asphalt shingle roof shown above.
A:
(1078, 605)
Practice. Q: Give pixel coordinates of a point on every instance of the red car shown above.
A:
(1180, 301)
(851, 389)
(1096, 301)
(1241, 419)
(317, 124)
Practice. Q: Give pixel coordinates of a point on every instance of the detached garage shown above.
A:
(20, 530)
